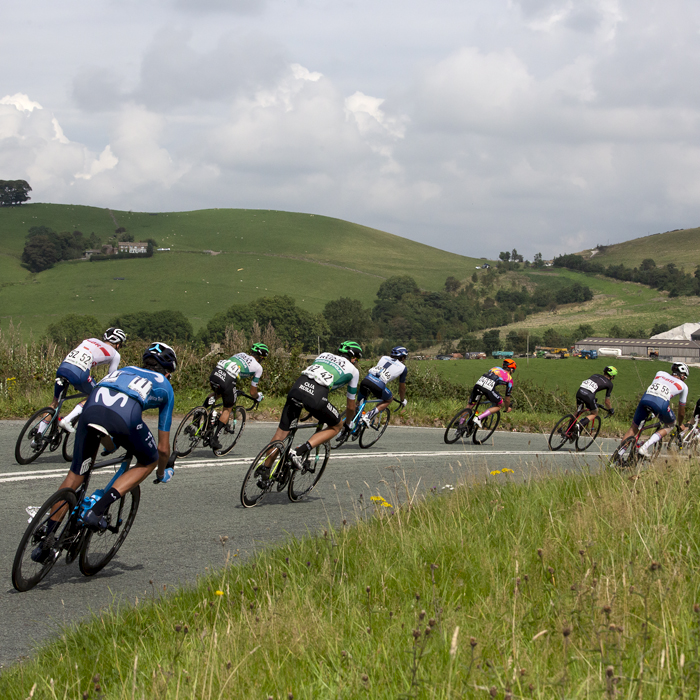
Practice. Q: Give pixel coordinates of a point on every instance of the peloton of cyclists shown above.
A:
(76, 367)
(589, 388)
(329, 371)
(657, 399)
(486, 386)
(223, 382)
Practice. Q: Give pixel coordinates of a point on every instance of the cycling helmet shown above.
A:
(610, 371)
(350, 348)
(114, 335)
(509, 365)
(260, 349)
(163, 354)
(399, 352)
(681, 369)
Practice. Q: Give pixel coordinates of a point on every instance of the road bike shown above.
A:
(568, 429)
(462, 426)
(626, 456)
(686, 441)
(41, 545)
(200, 423)
(273, 469)
(367, 432)
(31, 443)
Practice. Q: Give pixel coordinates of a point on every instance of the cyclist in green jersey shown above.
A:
(329, 371)
(223, 382)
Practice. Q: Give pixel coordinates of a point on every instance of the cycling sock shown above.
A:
(51, 525)
(303, 449)
(41, 428)
(485, 414)
(106, 501)
(653, 440)
(74, 413)
(584, 422)
(371, 414)
(219, 426)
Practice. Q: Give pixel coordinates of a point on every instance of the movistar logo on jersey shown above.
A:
(105, 396)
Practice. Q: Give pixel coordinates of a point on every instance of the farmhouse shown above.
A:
(664, 349)
(133, 247)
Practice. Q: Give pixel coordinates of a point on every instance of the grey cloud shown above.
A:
(97, 89)
(239, 7)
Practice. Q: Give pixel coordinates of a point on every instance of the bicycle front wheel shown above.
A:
(99, 547)
(625, 456)
(459, 426)
(588, 434)
(303, 480)
(260, 476)
(561, 432)
(488, 425)
(372, 432)
(229, 434)
(30, 444)
(190, 430)
(38, 550)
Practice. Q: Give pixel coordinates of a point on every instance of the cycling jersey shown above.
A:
(495, 377)
(665, 386)
(334, 371)
(596, 383)
(150, 389)
(388, 369)
(242, 365)
(93, 352)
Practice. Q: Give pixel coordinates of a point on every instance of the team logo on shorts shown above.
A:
(139, 426)
(308, 387)
(85, 466)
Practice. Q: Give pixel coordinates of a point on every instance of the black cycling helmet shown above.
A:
(163, 354)
(350, 348)
(260, 349)
(114, 335)
(681, 369)
(399, 352)
(610, 371)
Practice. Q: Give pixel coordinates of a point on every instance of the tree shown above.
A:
(452, 284)
(647, 264)
(14, 192)
(475, 277)
(616, 332)
(40, 253)
(394, 288)
(468, 343)
(537, 260)
(491, 341)
(504, 255)
(660, 328)
(155, 325)
(71, 329)
(515, 256)
(347, 319)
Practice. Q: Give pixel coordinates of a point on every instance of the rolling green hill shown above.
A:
(259, 253)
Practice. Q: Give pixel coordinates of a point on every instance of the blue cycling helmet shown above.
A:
(163, 354)
(399, 352)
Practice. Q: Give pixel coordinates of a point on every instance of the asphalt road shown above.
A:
(176, 534)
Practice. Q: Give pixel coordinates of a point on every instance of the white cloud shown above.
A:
(21, 101)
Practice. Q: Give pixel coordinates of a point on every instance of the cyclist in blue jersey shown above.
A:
(375, 383)
(116, 405)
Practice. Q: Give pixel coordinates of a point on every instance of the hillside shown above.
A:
(313, 258)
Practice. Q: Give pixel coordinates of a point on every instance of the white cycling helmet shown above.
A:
(114, 335)
(681, 369)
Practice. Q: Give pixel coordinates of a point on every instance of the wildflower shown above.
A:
(505, 470)
(387, 505)
(497, 471)
(218, 592)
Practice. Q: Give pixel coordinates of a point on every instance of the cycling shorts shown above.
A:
(493, 396)
(586, 398)
(81, 380)
(224, 385)
(655, 405)
(375, 387)
(123, 422)
(308, 394)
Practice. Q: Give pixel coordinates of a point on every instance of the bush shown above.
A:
(73, 328)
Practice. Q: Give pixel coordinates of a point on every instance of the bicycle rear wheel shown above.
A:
(371, 433)
(228, 435)
(68, 446)
(625, 456)
(303, 480)
(260, 476)
(342, 437)
(561, 432)
(588, 434)
(488, 425)
(24, 451)
(459, 426)
(99, 547)
(189, 431)
(46, 548)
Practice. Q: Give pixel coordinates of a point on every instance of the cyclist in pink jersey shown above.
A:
(487, 385)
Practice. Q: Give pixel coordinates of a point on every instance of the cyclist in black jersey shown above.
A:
(589, 388)
(487, 384)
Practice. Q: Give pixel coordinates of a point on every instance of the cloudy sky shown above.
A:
(473, 125)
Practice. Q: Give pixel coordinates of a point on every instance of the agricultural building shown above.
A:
(663, 349)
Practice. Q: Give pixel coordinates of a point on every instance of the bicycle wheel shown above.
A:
(459, 426)
(561, 433)
(371, 433)
(303, 480)
(488, 425)
(25, 452)
(625, 456)
(228, 435)
(68, 446)
(588, 434)
(99, 547)
(26, 572)
(260, 476)
(190, 430)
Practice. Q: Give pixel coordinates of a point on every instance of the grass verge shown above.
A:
(575, 586)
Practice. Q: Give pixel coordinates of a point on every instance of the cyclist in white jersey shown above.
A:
(657, 399)
(329, 371)
(386, 370)
(76, 367)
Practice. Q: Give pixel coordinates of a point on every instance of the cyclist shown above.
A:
(329, 371)
(487, 385)
(386, 370)
(223, 382)
(589, 388)
(75, 371)
(657, 399)
(116, 405)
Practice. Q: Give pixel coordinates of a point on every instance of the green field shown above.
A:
(315, 259)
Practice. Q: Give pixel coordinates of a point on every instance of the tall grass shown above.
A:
(573, 587)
